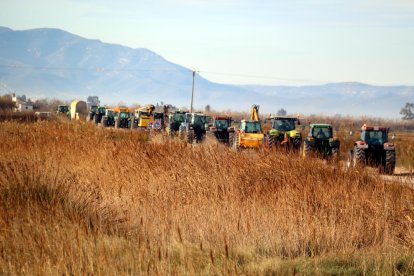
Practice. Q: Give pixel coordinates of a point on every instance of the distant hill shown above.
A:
(55, 63)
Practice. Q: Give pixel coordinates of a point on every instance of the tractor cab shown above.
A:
(321, 131)
(221, 123)
(197, 119)
(375, 136)
(110, 113)
(177, 116)
(320, 140)
(249, 126)
(100, 112)
(283, 133)
(62, 109)
(123, 115)
(284, 123)
(94, 108)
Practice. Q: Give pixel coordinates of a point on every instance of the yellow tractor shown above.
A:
(142, 117)
(250, 134)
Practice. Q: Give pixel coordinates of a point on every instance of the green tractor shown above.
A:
(320, 141)
(63, 110)
(99, 113)
(194, 127)
(122, 118)
(175, 119)
(283, 133)
(108, 119)
(221, 130)
(92, 112)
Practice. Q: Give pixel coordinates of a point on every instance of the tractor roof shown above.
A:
(222, 117)
(283, 118)
(366, 127)
(121, 109)
(321, 125)
(178, 112)
(250, 121)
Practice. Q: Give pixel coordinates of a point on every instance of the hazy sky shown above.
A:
(304, 41)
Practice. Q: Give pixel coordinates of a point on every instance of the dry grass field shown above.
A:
(77, 199)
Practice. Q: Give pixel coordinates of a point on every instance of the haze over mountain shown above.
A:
(56, 64)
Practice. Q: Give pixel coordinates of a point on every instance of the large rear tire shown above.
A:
(181, 132)
(359, 157)
(335, 154)
(307, 149)
(236, 144)
(104, 121)
(296, 143)
(389, 166)
(190, 136)
(270, 141)
(231, 139)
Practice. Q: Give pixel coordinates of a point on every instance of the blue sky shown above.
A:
(291, 41)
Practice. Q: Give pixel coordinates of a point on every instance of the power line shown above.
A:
(262, 77)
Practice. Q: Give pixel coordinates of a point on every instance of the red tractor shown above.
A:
(221, 129)
(373, 149)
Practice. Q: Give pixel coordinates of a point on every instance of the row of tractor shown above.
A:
(372, 149)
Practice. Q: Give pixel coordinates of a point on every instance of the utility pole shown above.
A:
(192, 92)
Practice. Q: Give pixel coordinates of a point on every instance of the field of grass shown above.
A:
(76, 199)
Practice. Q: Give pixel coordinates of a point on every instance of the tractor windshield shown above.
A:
(374, 137)
(124, 115)
(322, 132)
(221, 124)
(284, 124)
(63, 108)
(199, 120)
(110, 113)
(94, 108)
(101, 110)
(252, 127)
(179, 117)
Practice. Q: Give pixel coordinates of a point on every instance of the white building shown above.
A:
(20, 105)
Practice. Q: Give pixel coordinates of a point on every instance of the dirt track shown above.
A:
(401, 176)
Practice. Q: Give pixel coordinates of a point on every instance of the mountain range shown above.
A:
(56, 64)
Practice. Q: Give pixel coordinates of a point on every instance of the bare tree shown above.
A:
(407, 112)
(281, 112)
(93, 100)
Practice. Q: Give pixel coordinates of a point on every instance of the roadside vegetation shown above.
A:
(78, 199)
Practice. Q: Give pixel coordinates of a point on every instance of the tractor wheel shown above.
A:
(389, 166)
(231, 139)
(189, 136)
(236, 144)
(104, 122)
(270, 141)
(181, 132)
(350, 161)
(307, 149)
(359, 158)
(335, 154)
(296, 142)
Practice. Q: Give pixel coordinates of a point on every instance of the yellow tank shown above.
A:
(78, 110)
